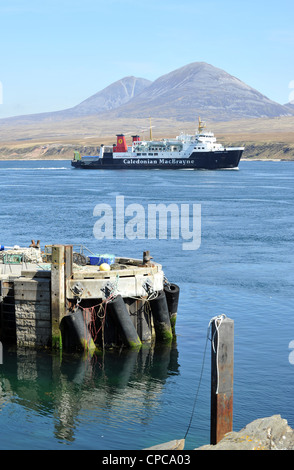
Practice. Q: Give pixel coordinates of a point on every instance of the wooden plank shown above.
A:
(126, 286)
(36, 274)
(87, 273)
(32, 290)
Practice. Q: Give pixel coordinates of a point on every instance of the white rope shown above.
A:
(219, 318)
(217, 322)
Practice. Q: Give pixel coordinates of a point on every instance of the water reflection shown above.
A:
(110, 388)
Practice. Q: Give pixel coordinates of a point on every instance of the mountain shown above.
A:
(200, 89)
(290, 105)
(111, 97)
(197, 89)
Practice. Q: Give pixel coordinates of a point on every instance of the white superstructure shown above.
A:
(183, 146)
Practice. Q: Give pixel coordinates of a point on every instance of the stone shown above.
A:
(272, 433)
(177, 444)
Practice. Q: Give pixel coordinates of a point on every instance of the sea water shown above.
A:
(243, 269)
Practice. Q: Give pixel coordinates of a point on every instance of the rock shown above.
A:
(272, 433)
(177, 444)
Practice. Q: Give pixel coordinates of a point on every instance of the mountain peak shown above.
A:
(199, 88)
(112, 97)
(194, 89)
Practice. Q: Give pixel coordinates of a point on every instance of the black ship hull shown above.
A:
(226, 159)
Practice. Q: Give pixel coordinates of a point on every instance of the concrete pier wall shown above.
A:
(25, 311)
(32, 312)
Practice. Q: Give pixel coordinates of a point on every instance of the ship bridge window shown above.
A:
(150, 154)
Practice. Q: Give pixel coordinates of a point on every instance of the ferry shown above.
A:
(198, 152)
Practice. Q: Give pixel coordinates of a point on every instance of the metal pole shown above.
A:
(222, 365)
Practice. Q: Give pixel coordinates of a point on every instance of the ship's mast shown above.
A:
(201, 125)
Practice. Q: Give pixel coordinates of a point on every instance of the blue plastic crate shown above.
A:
(100, 259)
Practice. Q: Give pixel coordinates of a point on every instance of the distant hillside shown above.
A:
(197, 89)
(111, 97)
(267, 138)
(290, 106)
(200, 89)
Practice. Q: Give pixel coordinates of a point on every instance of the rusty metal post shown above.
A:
(222, 365)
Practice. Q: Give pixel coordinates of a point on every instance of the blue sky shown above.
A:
(56, 53)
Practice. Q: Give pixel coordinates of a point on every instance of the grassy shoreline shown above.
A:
(253, 151)
(263, 139)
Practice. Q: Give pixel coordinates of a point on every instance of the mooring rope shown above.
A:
(217, 326)
(90, 315)
(217, 321)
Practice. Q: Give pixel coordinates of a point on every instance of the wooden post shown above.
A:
(57, 293)
(68, 271)
(61, 271)
(222, 365)
(68, 260)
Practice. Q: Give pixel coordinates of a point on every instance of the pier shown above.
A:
(65, 298)
(68, 298)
